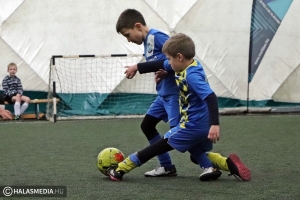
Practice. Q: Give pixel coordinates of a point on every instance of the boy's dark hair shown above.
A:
(180, 43)
(128, 19)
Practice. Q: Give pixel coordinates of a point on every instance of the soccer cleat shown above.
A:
(161, 171)
(115, 175)
(210, 174)
(17, 117)
(237, 168)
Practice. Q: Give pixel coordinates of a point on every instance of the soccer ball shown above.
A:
(109, 157)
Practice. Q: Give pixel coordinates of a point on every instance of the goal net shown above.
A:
(90, 86)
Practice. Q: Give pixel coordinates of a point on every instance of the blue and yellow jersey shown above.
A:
(193, 89)
(153, 44)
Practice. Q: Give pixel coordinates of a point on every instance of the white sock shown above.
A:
(23, 108)
(17, 108)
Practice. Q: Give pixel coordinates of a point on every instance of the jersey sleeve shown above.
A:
(160, 39)
(19, 87)
(5, 86)
(197, 81)
(168, 67)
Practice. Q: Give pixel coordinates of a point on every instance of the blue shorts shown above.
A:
(192, 138)
(166, 109)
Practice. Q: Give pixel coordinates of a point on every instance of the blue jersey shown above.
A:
(153, 44)
(193, 89)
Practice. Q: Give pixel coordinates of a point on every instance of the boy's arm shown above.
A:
(146, 67)
(20, 88)
(150, 66)
(5, 87)
(161, 74)
(212, 104)
(197, 81)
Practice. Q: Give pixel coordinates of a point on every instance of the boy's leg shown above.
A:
(17, 106)
(23, 108)
(168, 110)
(155, 114)
(139, 158)
(232, 164)
(196, 142)
(25, 104)
(209, 171)
(153, 136)
(218, 160)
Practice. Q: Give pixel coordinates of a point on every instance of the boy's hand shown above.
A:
(131, 71)
(5, 114)
(160, 75)
(214, 133)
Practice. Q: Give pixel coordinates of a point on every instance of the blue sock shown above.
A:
(203, 160)
(133, 157)
(164, 159)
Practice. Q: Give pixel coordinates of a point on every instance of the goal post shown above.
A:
(95, 86)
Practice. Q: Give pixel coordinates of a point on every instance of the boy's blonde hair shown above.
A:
(11, 65)
(179, 43)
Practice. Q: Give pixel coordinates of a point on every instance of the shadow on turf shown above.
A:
(141, 179)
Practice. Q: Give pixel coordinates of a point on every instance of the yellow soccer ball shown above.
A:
(109, 157)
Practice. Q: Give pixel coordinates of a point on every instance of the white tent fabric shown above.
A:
(34, 30)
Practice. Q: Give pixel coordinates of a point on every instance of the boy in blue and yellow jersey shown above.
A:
(198, 128)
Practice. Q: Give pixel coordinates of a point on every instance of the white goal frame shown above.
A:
(52, 114)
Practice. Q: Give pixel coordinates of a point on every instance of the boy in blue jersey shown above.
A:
(131, 25)
(198, 128)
